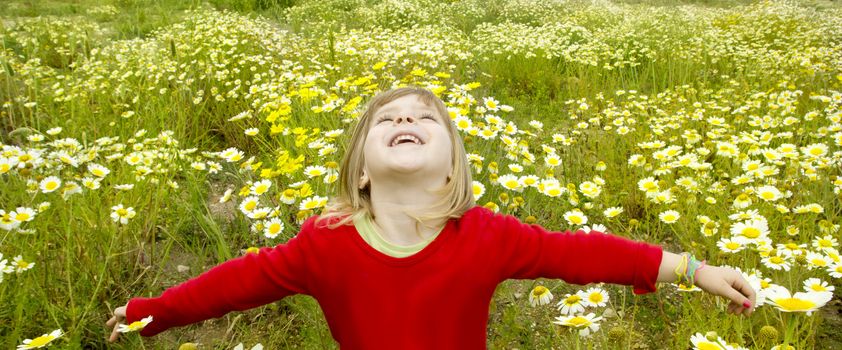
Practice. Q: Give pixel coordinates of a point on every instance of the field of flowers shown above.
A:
(145, 141)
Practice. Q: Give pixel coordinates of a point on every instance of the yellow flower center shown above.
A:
(825, 243)
(51, 186)
(595, 298)
(818, 262)
(751, 232)
(818, 288)
(793, 304)
(539, 291)
(40, 341)
(22, 217)
(122, 212)
(708, 346)
(776, 260)
(274, 227)
(578, 321)
(576, 219)
(572, 300)
(732, 245)
(250, 206)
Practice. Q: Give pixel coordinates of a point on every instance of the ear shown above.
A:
(363, 180)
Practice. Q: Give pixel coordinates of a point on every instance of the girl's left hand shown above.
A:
(728, 283)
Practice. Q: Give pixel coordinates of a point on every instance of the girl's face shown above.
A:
(406, 136)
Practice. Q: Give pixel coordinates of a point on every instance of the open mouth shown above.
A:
(405, 139)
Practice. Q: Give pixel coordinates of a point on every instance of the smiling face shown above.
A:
(406, 136)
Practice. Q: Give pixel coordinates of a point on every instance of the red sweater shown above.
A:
(437, 298)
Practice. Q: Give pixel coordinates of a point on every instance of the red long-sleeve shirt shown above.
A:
(437, 298)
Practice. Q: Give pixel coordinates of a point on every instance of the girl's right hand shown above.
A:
(118, 318)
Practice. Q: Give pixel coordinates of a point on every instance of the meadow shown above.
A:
(143, 142)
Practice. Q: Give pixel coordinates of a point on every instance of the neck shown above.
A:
(391, 200)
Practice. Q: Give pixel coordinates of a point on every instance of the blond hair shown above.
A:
(352, 202)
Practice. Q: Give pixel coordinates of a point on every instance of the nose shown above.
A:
(407, 118)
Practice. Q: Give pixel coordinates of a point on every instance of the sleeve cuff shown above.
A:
(647, 269)
(137, 309)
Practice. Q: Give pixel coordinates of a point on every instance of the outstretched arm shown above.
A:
(722, 281)
(237, 284)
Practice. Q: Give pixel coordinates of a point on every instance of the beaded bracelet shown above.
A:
(686, 269)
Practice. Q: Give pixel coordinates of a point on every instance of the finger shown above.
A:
(111, 322)
(114, 334)
(120, 311)
(737, 297)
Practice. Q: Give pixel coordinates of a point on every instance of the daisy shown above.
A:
(21, 265)
(232, 154)
(669, 216)
(249, 204)
(776, 262)
(835, 270)
(590, 189)
(751, 229)
(226, 196)
(825, 242)
(572, 303)
(807, 302)
(314, 171)
(312, 203)
(575, 217)
(587, 323)
(90, 183)
(261, 187)
(648, 185)
(259, 213)
(816, 260)
(23, 214)
(817, 285)
(7, 221)
(731, 245)
(273, 228)
(122, 214)
(478, 190)
(54, 131)
(98, 170)
(768, 193)
(700, 342)
(251, 131)
(50, 184)
(134, 326)
(596, 297)
(330, 177)
(552, 160)
(43, 340)
(596, 227)
(124, 187)
(510, 182)
(815, 150)
(683, 288)
(540, 295)
(742, 201)
(612, 212)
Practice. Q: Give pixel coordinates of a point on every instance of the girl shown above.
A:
(403, 258)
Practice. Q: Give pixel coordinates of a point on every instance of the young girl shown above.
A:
(404, 259)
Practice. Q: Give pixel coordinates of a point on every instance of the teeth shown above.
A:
(405, 137)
